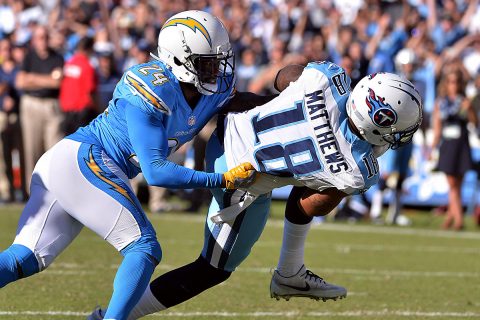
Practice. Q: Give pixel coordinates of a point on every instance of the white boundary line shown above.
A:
(262, 314)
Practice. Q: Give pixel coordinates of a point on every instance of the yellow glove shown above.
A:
(242, 176)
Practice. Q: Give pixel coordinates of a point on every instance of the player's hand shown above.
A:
(242, 176)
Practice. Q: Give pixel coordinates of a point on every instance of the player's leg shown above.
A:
(43, 232)
(103, 201)
(387, 167)
(377, 201)
(401, 165)
(225, 247)
(295, 230)
(291, 278)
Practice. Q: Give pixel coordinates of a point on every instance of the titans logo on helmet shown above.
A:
(380, 112)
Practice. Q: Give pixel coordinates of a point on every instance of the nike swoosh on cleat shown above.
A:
(306, 288)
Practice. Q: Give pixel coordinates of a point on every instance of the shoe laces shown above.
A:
(310, 276)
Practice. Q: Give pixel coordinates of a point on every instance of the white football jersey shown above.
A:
(304, 135)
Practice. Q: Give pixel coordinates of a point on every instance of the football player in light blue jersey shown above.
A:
(84, 179)
(317, 136)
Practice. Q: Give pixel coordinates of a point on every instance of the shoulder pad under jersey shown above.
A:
(150, 82)
(336, 75)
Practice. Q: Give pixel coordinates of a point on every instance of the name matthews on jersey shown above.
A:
(318, 114)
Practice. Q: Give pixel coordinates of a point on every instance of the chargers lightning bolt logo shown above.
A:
(381, 113)
(146, 93)
(97, 171)
(192, 24)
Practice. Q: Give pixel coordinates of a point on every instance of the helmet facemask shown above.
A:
(399, 139)
(212, 71)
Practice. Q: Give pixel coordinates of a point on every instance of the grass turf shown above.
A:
(390, 272)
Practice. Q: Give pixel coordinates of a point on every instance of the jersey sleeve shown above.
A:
(149, 141)
(361, 171)
(336, 75)
(149, 83)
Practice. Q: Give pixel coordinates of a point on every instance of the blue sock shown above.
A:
(131, 280)
(16, 262)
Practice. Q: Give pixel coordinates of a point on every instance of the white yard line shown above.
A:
(347, 247)
(342, 227)
(383, 273)
(263, 314)
(75, 269)
(395, 230)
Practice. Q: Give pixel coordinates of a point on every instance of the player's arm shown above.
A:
(150, 144)
(286, 75)
(243, 101)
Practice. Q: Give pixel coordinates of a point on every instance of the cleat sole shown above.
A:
(288, 297)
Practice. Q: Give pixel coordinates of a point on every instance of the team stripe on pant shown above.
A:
(222, 238)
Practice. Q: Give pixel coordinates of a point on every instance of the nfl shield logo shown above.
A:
(191, 120)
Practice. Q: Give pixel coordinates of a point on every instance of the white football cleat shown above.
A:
(97, 314)
(304, 284)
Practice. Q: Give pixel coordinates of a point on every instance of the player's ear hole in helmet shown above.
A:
(196, 46)
(386, 109)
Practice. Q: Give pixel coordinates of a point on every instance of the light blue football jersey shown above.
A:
(154, 89)
(304, 134)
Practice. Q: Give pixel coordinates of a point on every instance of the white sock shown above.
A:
(148, 304)
(293, 247)
(376, 208)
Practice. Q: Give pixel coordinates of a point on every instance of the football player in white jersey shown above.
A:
(317, 136)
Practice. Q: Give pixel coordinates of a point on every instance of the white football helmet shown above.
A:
(195, 45)
(403, 57)
(386, 109)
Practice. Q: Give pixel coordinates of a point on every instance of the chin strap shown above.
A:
(154, 56)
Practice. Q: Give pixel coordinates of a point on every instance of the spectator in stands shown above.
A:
(78, 89)
(8, 104)
(451, 114)
(451, 26)
(388, 38)
(108, 76)
(359, 62)
(40, 116)
(11, 137)
(247, 69)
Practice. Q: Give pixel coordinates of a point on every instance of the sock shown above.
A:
(17, 262)
(394, 207)
(376, 209)
(293, 245)
(148, 304)
(130, 282)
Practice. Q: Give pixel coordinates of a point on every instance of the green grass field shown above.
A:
(390, 272)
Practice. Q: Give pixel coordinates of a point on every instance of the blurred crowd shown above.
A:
(60, 61)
